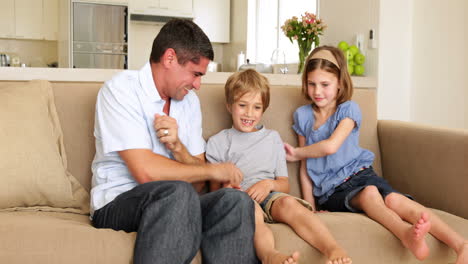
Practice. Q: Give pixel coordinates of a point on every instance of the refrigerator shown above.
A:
(99, 36)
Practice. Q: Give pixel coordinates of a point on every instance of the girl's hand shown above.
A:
(260, 190)
(290, 152)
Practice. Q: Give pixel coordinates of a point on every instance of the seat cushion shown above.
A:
(57, 238)
(33, 162)
(47, 237)
(366, 241)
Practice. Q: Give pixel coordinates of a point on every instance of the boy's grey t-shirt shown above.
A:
(259, 155)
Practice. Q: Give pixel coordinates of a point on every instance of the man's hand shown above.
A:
(260, 190)
(167, 131)
(226, 173)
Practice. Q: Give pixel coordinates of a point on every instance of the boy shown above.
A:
(259, 153)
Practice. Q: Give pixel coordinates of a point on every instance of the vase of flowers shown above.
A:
(306, 32)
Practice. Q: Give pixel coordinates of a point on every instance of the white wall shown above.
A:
(140, 42)
(440, 63)
(394, 68)
(141, 39)
(238, 37)
(33, 53)
(345, 20)
(423, 62)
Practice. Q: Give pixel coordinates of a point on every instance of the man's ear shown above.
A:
(169, 57)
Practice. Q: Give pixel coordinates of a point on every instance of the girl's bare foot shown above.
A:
(278, 258)
(338, 256)
(415, 237)
(462, 254)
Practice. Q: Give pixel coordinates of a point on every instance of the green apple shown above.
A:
(349, 55)
(359, 58)
(359, 70)
(350, 69)
(353, 49)
(343, 45)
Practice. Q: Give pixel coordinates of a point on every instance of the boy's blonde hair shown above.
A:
(340, 71)
(244, 82)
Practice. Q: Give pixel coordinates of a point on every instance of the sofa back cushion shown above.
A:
(33, 162)
(76, 104)
(279, 116)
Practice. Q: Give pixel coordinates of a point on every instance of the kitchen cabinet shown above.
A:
(111, 2)
(50, 19)
(167, 8)
(7, 19)
(25, 19)
(213, 16)
(28, 19)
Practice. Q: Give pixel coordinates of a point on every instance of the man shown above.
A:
(149, 148)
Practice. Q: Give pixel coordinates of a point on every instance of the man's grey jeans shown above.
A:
(172, 222)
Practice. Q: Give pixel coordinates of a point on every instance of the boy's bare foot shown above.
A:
(415, 237)
(462, 254)
(339, 256)
(278, 258)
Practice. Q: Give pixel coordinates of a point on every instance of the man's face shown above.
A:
(185, 77)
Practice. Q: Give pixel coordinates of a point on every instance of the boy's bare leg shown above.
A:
(410, 210)
(412, 236)
(265, 243)
(309, 227)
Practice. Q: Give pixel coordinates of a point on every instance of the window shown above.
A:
(265, 18)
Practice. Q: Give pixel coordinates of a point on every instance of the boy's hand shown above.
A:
(260, 190)
(167, 131)
(290, 152)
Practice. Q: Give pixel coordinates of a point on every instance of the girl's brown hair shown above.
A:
(345, 91)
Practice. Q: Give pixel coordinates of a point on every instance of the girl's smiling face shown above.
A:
(322, 87)
(247, 112)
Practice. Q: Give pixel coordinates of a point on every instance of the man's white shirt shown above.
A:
(125, 110)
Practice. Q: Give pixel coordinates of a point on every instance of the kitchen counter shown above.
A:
(101, 75)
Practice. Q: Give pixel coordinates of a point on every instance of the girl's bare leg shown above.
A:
(410, 210)
(265, 243)
(309, 227)
(412, 236)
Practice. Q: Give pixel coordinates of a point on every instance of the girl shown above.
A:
(339, 172)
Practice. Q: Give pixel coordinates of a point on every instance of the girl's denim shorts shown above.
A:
(340, 200)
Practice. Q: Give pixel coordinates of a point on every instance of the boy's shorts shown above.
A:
(340, 200)
(271, 198)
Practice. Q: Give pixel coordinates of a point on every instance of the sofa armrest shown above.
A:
(431, 164)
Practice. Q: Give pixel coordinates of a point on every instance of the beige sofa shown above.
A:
(430, 163)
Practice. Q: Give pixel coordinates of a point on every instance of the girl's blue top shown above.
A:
(330, 171)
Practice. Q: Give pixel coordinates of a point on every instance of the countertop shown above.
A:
(101, 75)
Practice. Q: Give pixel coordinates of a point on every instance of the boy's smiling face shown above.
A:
(247, 112)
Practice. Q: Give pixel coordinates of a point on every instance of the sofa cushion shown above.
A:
(56, 238)
(50, 238)
(33, 162)
(366, 241)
